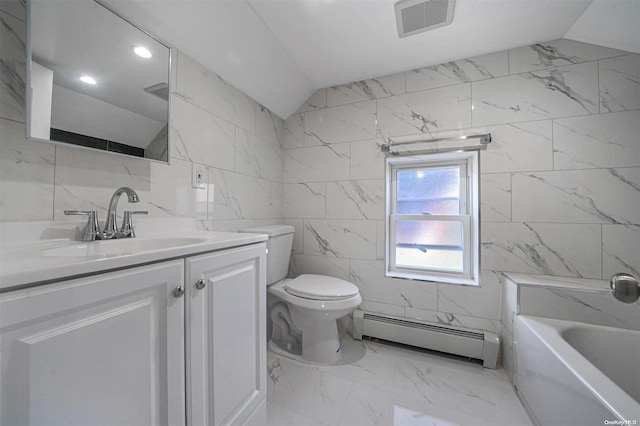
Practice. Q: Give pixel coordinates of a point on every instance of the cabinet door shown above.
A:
(226, 346)
(100, 350)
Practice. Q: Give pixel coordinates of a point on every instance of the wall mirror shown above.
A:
(95, 80)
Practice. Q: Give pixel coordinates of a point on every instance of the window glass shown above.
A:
(433, 190)
(429, 244)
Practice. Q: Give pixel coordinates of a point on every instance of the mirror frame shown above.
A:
(28, 100)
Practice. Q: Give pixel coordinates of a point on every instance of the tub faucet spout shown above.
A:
(625, 287)
(110, 229)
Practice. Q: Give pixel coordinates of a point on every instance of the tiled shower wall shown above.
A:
(560, 183)
(212, 124)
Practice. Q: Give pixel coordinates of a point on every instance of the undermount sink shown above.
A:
(122, 247)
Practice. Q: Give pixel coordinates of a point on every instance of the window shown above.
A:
(432, 218)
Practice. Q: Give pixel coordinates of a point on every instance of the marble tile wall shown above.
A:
(560, 183)
(213, 124)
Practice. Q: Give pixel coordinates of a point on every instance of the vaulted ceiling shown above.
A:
(281, 51)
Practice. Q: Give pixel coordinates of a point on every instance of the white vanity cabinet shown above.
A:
(139, 346)
(226, 342)
(100, 350)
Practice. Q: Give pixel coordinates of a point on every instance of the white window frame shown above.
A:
(470, 200)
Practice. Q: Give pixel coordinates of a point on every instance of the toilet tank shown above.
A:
(278, 249)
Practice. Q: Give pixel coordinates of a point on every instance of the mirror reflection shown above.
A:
(96, 80)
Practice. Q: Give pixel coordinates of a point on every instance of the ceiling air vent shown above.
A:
(416, 16)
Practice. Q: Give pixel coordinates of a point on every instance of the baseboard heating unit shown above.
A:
(478, 344)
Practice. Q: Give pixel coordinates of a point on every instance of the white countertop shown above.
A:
(28, 263)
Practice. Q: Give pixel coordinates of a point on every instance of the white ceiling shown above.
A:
(281, 51)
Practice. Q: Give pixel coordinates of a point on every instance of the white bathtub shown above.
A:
(570, 373)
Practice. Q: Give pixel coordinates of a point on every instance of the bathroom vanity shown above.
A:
(155, 335)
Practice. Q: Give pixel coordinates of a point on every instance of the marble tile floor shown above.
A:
(383, 384)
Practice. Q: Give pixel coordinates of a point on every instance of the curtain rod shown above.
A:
(485, 138)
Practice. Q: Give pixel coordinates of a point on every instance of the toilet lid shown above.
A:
(320, 287)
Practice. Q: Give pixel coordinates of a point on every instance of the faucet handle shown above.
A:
(126, 231)
(92, 231)
(625, 287)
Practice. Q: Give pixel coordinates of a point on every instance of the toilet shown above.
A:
(303, 310)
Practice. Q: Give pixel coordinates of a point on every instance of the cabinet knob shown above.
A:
(200, 284)
(178, 291)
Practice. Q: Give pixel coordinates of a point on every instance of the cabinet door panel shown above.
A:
(98, 350)
(226, 337)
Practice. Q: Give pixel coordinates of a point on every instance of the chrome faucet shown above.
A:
(625, 287)
(92, 230)
(110, 228)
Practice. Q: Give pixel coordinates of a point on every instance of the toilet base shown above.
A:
(320, 346)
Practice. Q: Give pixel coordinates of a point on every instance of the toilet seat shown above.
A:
(320, 287)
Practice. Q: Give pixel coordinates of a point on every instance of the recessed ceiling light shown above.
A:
(143, 52)
(87, 79)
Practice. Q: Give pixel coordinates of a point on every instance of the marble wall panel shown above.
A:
(238, 196)
(472, 69)
(426, 111)
(316, 101)
(381, 308)
(304, 200)
(369, 276)
(577, 196)
(340, 124)
(171, 192)
(224, 225)
(381, 230)
(276, 203)
(518, 147)
(620, 244)
(495, 198)
(542, 248)
(620, 83)
(258, 157)
(557, 92)
(294, 131)
(26, 175)
(449, 318)
(15, 8)
(85, 180)
(358, 91)
(322, 265)
(13, 77)
(367, 161)
(571, 305)
(556, 53)
(317, 164)
(600, 141)
(482, 301)
(508, 304)
(350, 239)
(356, 199)
(201, 137)
(506, 347)
(200, 86)
(269, 126)
(298, 234)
